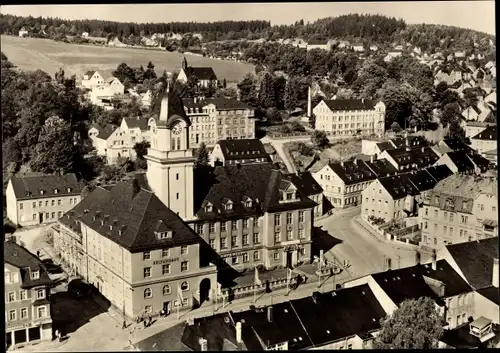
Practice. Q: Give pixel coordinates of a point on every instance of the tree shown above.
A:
(416, 324)
(59, 76)
(224, 83)
(450, 114)
(470, 97)
(150, 72)
(140, 74)
(202, 156)
(125, 74)
(320, 139)
(395, 127)
(312, 121)
(456, 132)
(267, 94)
(247, 91)
(273, 116)
(141, 149)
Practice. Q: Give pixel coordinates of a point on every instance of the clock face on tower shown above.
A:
(177, 129)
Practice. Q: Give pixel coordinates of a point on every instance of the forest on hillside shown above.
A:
(366, 29)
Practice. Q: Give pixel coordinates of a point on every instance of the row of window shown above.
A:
(41, 311)
(12, 277)
(167, 290)
(72, 201)
(23, 295)
(166, 269)
(48, 215)
(233, 225)
(289, 218)
(146, 255)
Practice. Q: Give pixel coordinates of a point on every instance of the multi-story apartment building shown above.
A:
(41, 199)
(472, 128)
(309, 188)
(397, 196)
(215, 119)
(462, 162)
(374, 147)
(350, 117)
(485, 140)
(113, 142)
(232, 152)
(343, 182)
(406, 159)
(138, 253)
(460, 208)
(27, 297)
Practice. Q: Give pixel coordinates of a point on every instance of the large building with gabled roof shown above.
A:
(205, 76)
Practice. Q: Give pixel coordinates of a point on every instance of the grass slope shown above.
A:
(49, 56)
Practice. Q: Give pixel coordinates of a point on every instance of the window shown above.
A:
(59, 214)
(451, 217)
(276, 255)
(223, 243)
(21, 206)
(34, 216)
(211, 227)
(256, 238)
(301, 234)
(451, 230)
(53, 202)
(211, 242)
(184, 266)
(234, 240)
(184, 250)
(34, 204)
(177, 196)
(165, 269)
(301, 216)
(436, 212)
(277, 219)
(24, 313)
(177, 176)
(245, 257)
(185, 286)
(288, 218)
(289, 235)
(234, 260)
(53, 215)
(166, 289)
(59, 202)
(146, 255)
(223, 226)
(245, 239)
(11, 297)
(148, 293)
(40, 204)
(277, 237)
(445, 229)
(148, 308)
(147, 272)
(40, 293)
(255, 222)
(165, 253)
(47, 203)
(234, 225)
(23, 295)
(12, 315)
(256, 255)
(245, 223)
(185, 301)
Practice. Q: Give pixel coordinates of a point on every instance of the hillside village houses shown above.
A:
(27, 298)
(92, 79)
(350, 117)
(485, 141)
(102, 95)
(459, 209)
(41, 199)
(23, 32)
(204, 75)
(480, 112)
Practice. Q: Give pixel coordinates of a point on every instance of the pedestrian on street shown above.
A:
(150, 321)
(145, 324)
(124, 326)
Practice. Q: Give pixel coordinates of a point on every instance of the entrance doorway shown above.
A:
(204, 290)
(40, 217)
(166, 307)
(289, 259)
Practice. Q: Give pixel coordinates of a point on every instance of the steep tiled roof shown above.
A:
(385, 146)
(382, 167)
(413, 159)
(409, 141)
(409, 282)
(350, 104)
(462, 161)
(285, 327)
(490, 133)
(174, 110)
(398, 186)
(137, 123)
(351, 172)
(355, 310)
(468, 186)
(31, 187)
(106, 131)
(170, 339)
(475, 260)
(439, 172)
(305, 183)
(491, 293)
(129, 216)
(217, 330)
(202, 73)
(18, 256)
(90, 73)
(242, 149)
(259, 183)
(422, 180)
(481, 162)
(456, 145)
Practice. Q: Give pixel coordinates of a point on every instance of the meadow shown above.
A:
(49, 56)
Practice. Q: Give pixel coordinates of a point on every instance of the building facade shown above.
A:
(41, 199)
(485, 140)
(205, 76)
(350, 117)
(461, 208)
(27, 298)
(92, 79)
(232, 152)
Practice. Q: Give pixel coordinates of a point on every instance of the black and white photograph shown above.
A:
(250, 176)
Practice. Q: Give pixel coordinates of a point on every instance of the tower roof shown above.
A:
(171, 109)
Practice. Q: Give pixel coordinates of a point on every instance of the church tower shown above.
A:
(170, 160)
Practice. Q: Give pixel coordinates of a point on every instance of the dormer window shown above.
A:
(228, 206)
(42, 192)
(248, 203)
(164, 235)
(69, 189)
(56, 191)
(290, 196)
(35, 275)
(464, 205)
(209, 208)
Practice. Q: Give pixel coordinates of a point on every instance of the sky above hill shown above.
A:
(478, 15)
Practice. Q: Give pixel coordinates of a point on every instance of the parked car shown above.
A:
(79, 288)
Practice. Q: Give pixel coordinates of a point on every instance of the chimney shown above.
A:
(203, 344)
(495, 273)
(371, 158)
(362, 101)
(238, 332)
(270, 313)
(434, 260)
(309, 102)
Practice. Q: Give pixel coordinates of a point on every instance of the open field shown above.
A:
(49, 56)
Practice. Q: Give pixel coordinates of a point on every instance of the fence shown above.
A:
(393, 236)
(283, 135)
